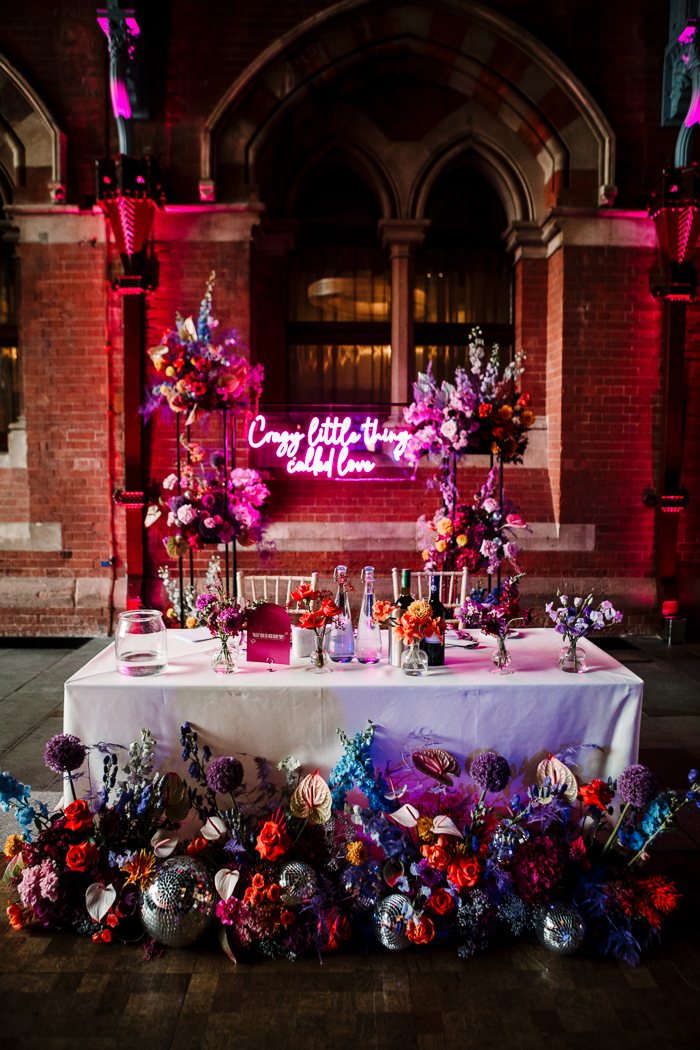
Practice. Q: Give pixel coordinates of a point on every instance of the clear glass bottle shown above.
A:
(396, 645)
(431, 646)
(341, 643)
(369, 638)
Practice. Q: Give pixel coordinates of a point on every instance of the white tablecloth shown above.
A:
(523, 715)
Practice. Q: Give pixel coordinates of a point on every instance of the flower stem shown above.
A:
(612, 837)
(659, 830)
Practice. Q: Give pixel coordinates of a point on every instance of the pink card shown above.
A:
(269, 634)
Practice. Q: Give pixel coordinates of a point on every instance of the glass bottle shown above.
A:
(396, 645)
(369, 638)
(341, 644)
(434, 648)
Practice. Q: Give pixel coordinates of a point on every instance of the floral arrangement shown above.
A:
(479, 412)
(464, 858)
(495, 617)
(198, 373)
(224, 617)
(193, 616)
(417, 621)
(576, 619)
(315, 620)
(477, 535)
(211, 505)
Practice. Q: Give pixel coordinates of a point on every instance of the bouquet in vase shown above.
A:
(316, 620)
(496, 619)
(575, 619)
(225, 619)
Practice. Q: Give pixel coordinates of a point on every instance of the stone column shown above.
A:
(402, 237)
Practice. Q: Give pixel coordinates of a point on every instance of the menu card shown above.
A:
(269, 634)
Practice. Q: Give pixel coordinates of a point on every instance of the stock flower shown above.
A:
(597, 793)
(356, 853)
(81, 857)
(637, 785)
(464, 871)
(420, 931)
(441, 902)
(64, 753)
(445, 527)
(140, 868)
(273, 840)
(224, 775)
(78, 816)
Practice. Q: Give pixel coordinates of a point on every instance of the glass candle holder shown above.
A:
(141, 643)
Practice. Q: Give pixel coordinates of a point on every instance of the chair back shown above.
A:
(275, 589)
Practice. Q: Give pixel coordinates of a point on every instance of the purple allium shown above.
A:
(64, 753)
(637, 785)
(490, 772)
(224, 775)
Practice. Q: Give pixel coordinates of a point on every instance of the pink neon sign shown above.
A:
(327, 447)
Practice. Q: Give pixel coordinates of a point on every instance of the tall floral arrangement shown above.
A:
(199, 371)
(476, 535)
(480, 411)
(212, 505)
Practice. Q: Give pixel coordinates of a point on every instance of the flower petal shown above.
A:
(213, 829)
(99, 899)
(443, 825)
(225, 882)
(559, 774)
(407, 816)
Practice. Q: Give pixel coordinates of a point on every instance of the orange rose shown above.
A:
(79, 816)
(273, 892)
(329, 608)
(304, 592)
(381, 611)
(441, 902)
(272, 841)
(421, 932)
(258, 881)
(464, 871)
(252, 896)
(312, 620)
(81, 857)
(437, 856)
(597, 793)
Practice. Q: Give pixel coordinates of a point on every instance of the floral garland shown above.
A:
(476, 536)
(212, 506)
(198, 374)
(479, 412)
(463, 859)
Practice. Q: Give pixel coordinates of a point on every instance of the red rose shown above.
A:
(273, 892)
(484, 410)
(441, 902)
(421, 932)
(112, 920)
(287, 917)
(464, 871)
(312, 619)
(272, 841)
(597, 793)
(329, 608)
(79, 816)
(106, 936)
(81, 857)
(436, 856)
(303, 592)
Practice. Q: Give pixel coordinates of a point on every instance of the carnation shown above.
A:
(637, 785)
(224, 775)
(490, 772)
(64, 753)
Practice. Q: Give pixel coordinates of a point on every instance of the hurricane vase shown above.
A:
(572, 658)
(141, 645)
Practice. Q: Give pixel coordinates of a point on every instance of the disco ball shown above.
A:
(560, 927)
(361, 885)
(390, 922)
(179, 902)
(298, 883)
(506, 838)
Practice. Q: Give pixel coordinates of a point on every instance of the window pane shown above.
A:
(462, 286)
(352, 375)
(9, 391)
(339, 284)
(446, 359)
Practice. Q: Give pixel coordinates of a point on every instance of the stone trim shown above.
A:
(16, 456)
(30, 536)
(50, 592)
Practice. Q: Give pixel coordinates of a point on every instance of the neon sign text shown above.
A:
(328, 445)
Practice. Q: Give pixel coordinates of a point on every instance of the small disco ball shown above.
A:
(298, 883)
(361, 885)
(390, 922)
(506, 838)
(179, 902)
(560, 927)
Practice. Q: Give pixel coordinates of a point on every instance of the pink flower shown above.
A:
(186, 514)
(170, 482)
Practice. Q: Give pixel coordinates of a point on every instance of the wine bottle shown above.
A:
(434, 648)
(341, 643)
(369, 639)
(396, 645)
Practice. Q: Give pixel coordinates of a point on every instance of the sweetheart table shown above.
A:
(291, 711)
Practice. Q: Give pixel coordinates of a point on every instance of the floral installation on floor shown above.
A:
(411, 857)
(480, 411)
(198, 372)
(476, 536)
(212, 505)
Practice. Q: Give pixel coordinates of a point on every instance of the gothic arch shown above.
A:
(543, 135)
(32, 147)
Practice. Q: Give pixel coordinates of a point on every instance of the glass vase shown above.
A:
(141, 645)
(572, 658)
(225, 659)
(319, 658)
(414, 661)
(501, 658)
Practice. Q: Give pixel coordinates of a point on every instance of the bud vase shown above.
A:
(319, 658)
(225, 659)
(501, 658)
(414, 661)
(572, 658)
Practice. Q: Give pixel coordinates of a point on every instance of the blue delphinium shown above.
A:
(356, 770)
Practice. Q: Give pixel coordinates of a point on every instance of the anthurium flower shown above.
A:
(312, 799)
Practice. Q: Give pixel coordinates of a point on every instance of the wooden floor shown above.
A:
(60, 991)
